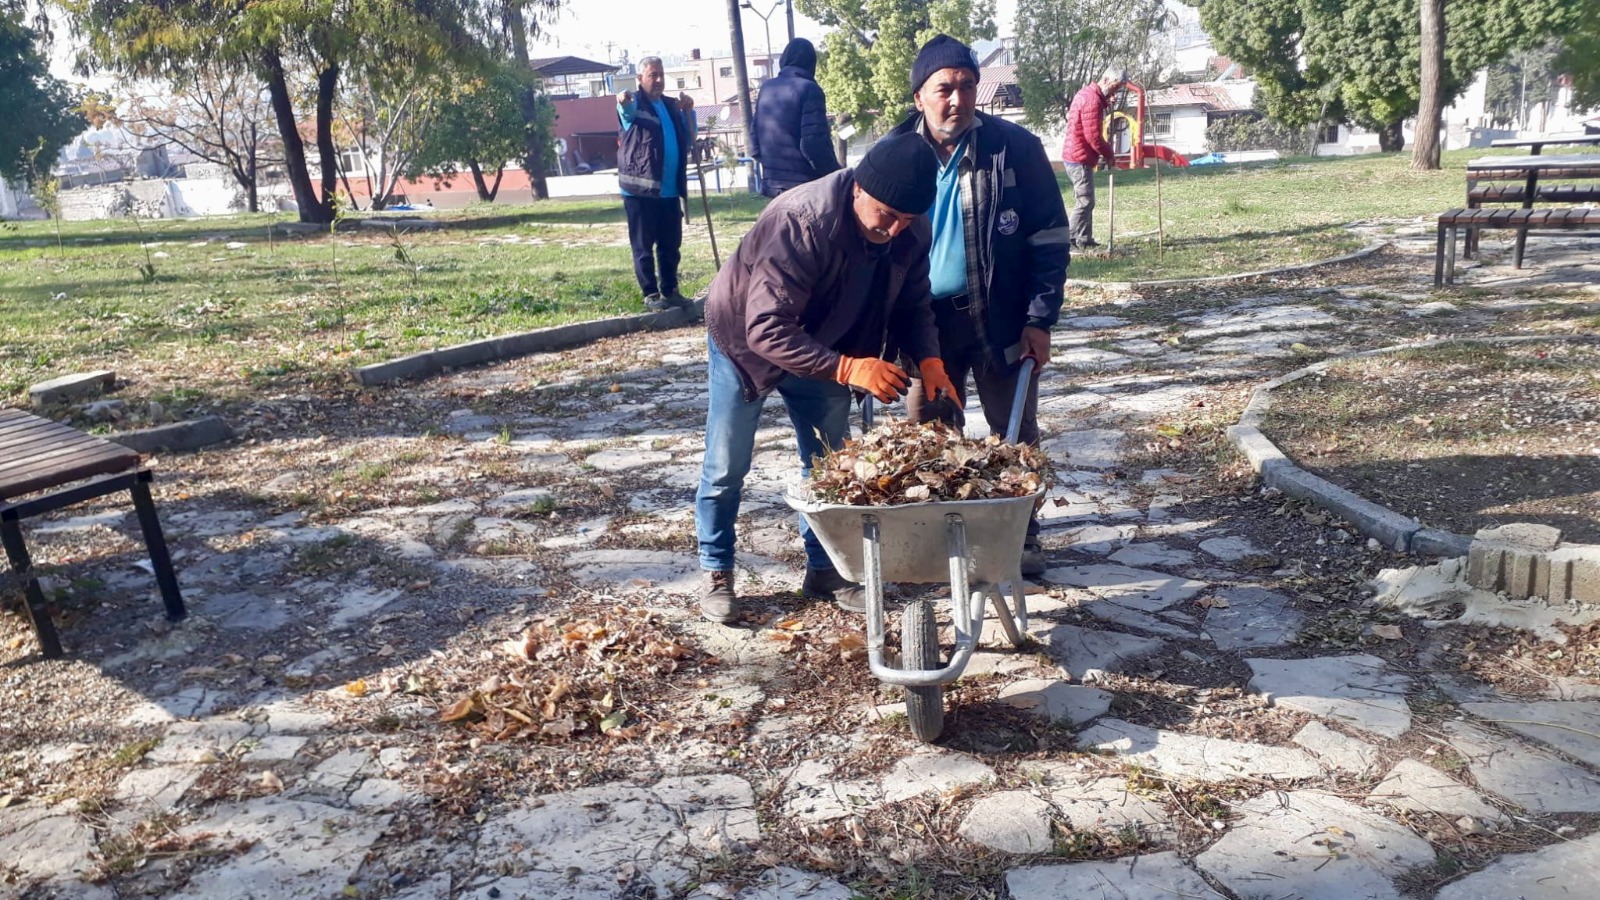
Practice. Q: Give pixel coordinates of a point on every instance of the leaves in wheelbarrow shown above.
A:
(904, 462)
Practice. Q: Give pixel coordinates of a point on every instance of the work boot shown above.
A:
(1033, 563)
(677, 299)
(657, 302)
(718, 603)
(828, 584)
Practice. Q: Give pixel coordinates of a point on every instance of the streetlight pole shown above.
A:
(789, 15)
(767, 27)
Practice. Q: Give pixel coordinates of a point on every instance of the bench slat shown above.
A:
(62, 470)
(23, 445)
(37, 454)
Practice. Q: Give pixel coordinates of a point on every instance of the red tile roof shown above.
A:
(1213, 97)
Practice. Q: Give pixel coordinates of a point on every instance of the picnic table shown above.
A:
(1530, 170)
(1537, 144)
(42, 457)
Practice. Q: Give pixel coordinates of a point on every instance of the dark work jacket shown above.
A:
(775, 308)
(1016, 223)
(642, 156)
(792, 139)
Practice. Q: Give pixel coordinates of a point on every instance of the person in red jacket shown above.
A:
(1085, 146)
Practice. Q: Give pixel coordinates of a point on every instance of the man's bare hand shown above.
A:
(625, 97)
(1036, 343)
(685, 102)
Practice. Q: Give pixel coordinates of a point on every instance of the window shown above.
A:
(1328, 134)
(682, 83)
(725, 72)
(1161, 123)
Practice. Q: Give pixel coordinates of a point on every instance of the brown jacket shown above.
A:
(777, 307)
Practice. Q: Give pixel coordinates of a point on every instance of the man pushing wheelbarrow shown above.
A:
(829, 285)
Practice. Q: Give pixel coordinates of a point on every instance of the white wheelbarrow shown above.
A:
(975, 545)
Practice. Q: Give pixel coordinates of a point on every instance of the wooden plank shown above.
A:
(53, 454)
(25, 444)
(12, 429)
(25, 469)
(63, 470)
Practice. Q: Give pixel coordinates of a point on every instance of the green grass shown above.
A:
(220, 323)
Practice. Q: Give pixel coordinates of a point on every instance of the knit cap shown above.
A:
(941, 52)
(900, 172)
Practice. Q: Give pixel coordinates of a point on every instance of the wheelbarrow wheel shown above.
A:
(919, 646)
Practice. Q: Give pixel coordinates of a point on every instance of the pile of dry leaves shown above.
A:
(570, 677)
(904, 462)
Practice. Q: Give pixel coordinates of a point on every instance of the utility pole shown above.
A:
(789, 15)
(741, 73)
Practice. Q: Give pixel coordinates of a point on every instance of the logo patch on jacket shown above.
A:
(1008, 221)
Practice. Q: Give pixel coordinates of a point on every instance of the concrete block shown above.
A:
(1391, 529)
(190, 435)
(1584, 583)
(1522, 535)
(417, 365)
(1520, 571)
(1261, 452)
(1484, 562)
(71, 387)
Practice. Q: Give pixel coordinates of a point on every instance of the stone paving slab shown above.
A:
(1152, 876)
(1357, 690)
(814, 794)
(783, 883)
(1417, 786)
(1085, 652)
(1571, 726)
(1533, 779)
(1197, 756)
(1141, 589)
(1010, 822)
(936, 771)
(46, 842)
(1563, 871)
(1056, 701)
(1101, 803)
(297, 849)
(1310, 846)
(1340, 751)
(1254, 618)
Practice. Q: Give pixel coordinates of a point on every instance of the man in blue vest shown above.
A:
(653, 170)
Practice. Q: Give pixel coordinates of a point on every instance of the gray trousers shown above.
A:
(1082, 216)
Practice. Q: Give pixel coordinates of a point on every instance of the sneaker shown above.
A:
(828, 584)
(1086, 244)
(718, 603)
(1033, 564)
(677, 299)
(657, 302)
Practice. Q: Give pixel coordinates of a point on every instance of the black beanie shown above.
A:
(941, 52)
(799, 53)
(900, 172)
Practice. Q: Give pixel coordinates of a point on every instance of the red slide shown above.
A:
(1165, 154)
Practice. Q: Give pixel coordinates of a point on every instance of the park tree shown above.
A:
(40, 111)
(215, 110)
(282, 42)
(1430, 87)
(383, 127)
(510, 26)
(865, 64)
(1360, 60)
(479, 125)
(1579, 58)
(1522, 81)
(1064, 44)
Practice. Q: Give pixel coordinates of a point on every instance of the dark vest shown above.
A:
(639, 165)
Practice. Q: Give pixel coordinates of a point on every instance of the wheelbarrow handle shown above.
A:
(1020, 398)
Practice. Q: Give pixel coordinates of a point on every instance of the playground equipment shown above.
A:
(1121, 123)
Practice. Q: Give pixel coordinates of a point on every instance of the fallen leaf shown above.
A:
(458, 710)
(1387, 632)
(270, 781)
(7, 800)
(1212, 603)
(613, 720)
(357, 688)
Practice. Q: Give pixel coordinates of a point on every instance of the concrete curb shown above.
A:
(1388, 527)
(1363, 253)
(432, 362)
(191, 435)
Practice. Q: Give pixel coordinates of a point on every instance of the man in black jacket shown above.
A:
(791, 138)
(653, 171)
(1000, 247)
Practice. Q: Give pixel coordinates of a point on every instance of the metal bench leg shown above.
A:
(156, 542)
(33, 597)
(1522, 243)
(1450, 257)
(1438, 258)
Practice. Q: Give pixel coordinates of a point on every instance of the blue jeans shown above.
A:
(820, 412)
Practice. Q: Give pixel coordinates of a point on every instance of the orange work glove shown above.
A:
(935, 380)
(878, 377)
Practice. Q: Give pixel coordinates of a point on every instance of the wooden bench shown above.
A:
(39, 455)
(1522, 220)
(1478, 195)
(1519, 174)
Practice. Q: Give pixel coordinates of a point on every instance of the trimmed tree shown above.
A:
(1064, 44)
(480, 126)
(40, 111)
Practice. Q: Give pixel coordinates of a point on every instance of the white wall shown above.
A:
(8, 201)
(1188, 132)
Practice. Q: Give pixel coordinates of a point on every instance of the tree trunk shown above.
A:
(741, 76)
(533, 153)
(478, 182)
(1391, 139)
(294, 149)
(1425, 152)
(494, 189)
(327, 85)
